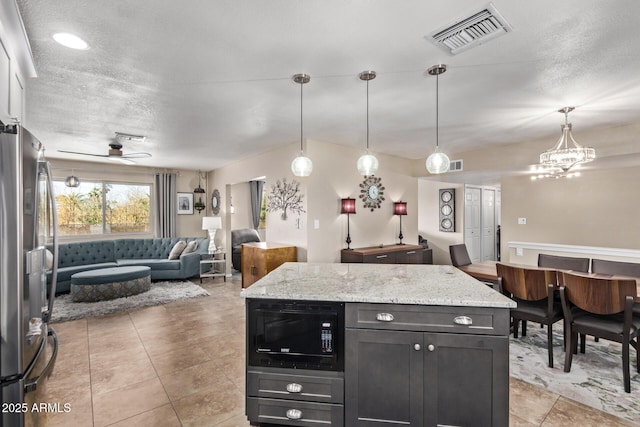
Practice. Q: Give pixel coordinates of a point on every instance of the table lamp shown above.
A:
(348, 206)
(400, 209)
(211, 224)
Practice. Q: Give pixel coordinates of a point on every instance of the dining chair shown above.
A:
(631, 269)
(533, 290)
(563, 262)
(603, 308)
(459, 255)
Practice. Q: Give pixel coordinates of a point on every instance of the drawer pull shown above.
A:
(463, 320)
(381, 256)
(384, 317)
(294, 414)
(294, 388)
(411, 252)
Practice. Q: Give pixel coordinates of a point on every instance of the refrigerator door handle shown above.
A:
(54, 218)
(32, 384)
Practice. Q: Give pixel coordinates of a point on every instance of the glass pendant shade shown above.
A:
(368, 164)
(72, 181)
(437, 162)
(301, 165)
(567, 152)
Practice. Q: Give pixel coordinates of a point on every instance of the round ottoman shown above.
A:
(109, 283)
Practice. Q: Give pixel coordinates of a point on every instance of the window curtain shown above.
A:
(165, 204)
(256, 201)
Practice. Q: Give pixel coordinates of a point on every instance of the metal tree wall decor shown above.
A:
(285, 196)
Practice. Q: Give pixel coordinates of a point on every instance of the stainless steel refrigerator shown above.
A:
(28, 346)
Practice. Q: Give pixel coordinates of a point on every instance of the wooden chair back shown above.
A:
(615, 267)
(459, 255)
(563, 262)
(597, 295)
(524, 283)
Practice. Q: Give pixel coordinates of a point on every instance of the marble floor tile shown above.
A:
(528, 402)
(568, 412)
(178, 360)
(109, 377)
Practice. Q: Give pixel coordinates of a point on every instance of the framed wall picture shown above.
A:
(185, 203)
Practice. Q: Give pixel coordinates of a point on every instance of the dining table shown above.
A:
(486, 271)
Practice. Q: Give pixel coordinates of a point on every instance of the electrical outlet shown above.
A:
(316, 224)
(519, 251)
(522, 221)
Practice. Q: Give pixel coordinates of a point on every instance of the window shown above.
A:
(263, 210)
(103, 208)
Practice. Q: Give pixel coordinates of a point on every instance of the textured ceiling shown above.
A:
(209, 82)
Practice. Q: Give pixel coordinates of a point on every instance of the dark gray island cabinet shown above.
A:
(424, 366)
(420, 345)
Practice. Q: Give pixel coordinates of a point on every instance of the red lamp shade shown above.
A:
(400, 208)
(348, 206)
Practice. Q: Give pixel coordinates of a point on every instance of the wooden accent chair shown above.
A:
(533, 290)
(563, 262)
(602, 308)
(459, 255)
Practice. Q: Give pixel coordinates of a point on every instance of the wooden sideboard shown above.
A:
(389, 254)
(259, 258)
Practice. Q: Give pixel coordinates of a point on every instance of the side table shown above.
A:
(217, 263)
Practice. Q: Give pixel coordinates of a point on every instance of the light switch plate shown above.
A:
(316, 224)
(519, 251)
(522, 221)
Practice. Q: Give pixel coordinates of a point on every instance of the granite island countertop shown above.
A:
(417, 284)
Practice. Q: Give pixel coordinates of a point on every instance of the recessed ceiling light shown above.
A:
(70, 41)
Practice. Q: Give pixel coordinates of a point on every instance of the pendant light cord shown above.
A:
(367, 116)
(301, 149)
(437, 107)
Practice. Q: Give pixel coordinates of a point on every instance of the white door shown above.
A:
(472, 223)
(488, 224)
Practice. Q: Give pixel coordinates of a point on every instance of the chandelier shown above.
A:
(567, 152)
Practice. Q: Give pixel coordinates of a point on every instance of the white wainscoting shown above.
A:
(527, 252)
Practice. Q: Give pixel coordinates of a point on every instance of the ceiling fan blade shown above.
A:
(83, 154)
(121, 160)
(139, 155)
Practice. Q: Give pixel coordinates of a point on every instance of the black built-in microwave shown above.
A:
(295, 334)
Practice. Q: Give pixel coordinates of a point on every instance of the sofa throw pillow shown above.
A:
(48, 259)
(191, 247)
(177, 249)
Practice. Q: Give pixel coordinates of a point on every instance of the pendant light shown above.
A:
(301, 165)
(567, 152)
(72, 181)
(367, 163)
(437, 162)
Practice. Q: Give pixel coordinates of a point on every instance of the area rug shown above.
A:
(160, 293)
(595, 378)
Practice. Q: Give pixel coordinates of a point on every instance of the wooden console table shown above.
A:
(389, 254)
(259, 258)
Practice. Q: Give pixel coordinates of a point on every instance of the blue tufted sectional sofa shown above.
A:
(153, 253)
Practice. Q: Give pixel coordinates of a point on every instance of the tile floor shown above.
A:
(182, 364)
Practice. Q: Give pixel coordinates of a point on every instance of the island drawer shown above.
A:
(317, 387)
(468, 320)
(294, 413)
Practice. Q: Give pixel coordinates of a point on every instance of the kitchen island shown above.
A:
(421, 345)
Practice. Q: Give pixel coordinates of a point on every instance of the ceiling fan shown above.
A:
(115, 150)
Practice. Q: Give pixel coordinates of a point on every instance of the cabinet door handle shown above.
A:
(431, 347)
(411, 252)
(463, 320)
(294, 414)
(294, 388)
(381, 256)
(384, 317)
(416, 347)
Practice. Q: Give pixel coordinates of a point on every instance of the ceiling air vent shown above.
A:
(471, 31)
(455, 165)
